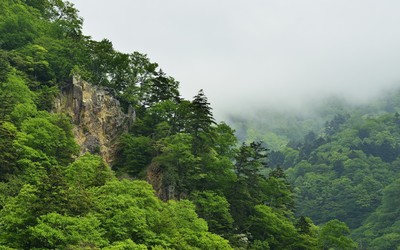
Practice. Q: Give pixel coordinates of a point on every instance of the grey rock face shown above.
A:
(97, 117)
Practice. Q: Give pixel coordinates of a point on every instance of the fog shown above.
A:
(254, 54)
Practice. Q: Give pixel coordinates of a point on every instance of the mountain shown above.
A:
(345, 167)
(99, 151)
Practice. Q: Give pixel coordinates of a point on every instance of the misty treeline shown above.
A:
(180, 180)
(342, 160)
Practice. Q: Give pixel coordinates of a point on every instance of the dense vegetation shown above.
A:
(204, 190)
(347, 167)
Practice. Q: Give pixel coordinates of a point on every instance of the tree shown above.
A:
(158, 89)
(127, 244)
(61, 13)
(134, 154)
(333, 126)
(58, 231)
(334, 235)
(247, 190)
(215, 210)
(88, 171)
(14, 91)
(224, 142)
(250, 160)
(278, 192)
(4, 66)
(36, 64)
(189, 230)
(18, 27)
(9, 153)
(16, 218)
(41, 134)
(178, 165)
(267, 225)
(200, 121)
(126, 210)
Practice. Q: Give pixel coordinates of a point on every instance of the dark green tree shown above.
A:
(246, 191)
(200, 121)
(278, 192)
(215, 210)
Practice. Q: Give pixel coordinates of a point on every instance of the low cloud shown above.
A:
(250, 55)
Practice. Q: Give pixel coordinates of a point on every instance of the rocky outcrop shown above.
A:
(97, 117)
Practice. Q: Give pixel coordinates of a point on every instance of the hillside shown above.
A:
(345, 167)
(73, 176)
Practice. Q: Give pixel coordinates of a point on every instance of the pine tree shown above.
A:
(200, 122)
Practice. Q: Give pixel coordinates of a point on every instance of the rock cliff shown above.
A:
(97, 117)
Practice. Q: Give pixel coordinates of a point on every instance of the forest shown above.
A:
(298, 183)
(342, 159)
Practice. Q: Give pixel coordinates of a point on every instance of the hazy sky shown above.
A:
(258, 52)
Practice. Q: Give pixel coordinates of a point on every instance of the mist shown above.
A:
(251, 55)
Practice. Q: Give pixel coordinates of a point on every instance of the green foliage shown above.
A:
(178, 162)
(13, 92)
(124, 209)
(215, 210)
(333, 235)
(57, 231)
(191, 232)
(16, 216)
(278, 231)
(247, 190)
(380, 230)
(279, 192)
(9, 155)
(127, 244)
(88, 171)
(200, 120)
(4, 66)
(19, 25)
(52, 199)
(224, 141)
(134, 154)
(42, 135)
(250, 160)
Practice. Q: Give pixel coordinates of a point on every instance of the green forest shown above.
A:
(342, 161)
(180, 179)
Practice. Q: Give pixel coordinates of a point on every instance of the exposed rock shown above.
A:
(97, 117)
(164, 187)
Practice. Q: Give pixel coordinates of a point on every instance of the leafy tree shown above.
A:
(334, 234)
(224, 140)
(17, 216)
(134, 154)
(215, 210)
(41, 134)
(278, 231)
(126, 210)
(13, 92)
(36, 64)
(179, 165)
(127, 244)
(249, 160)
(247, 190)
(57, 231)
(191, 231)
(278, 192)
(19, 25)
(88, 171)
(158, 89)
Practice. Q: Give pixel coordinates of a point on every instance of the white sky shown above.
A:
(258, 52)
